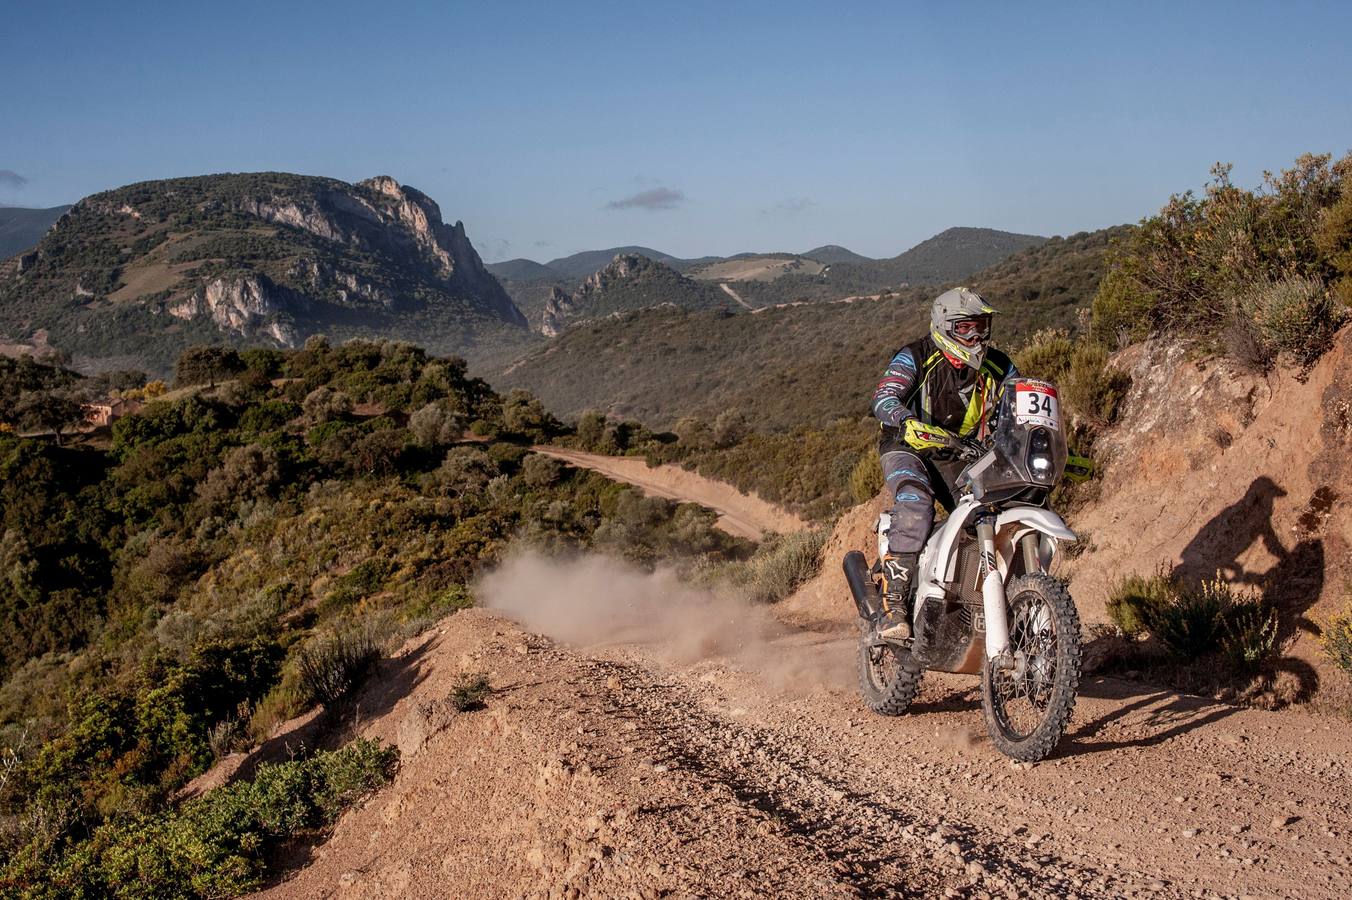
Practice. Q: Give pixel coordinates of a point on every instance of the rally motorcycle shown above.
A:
(985, 601)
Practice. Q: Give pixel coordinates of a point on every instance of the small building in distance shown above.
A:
(105, 412)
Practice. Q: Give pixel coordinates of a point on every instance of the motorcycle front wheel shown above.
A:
(1027, 699)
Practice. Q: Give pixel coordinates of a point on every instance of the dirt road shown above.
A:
(647, 739)
(618, 771)
(745, 515)
(727, 289)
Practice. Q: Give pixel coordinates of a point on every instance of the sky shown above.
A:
(693, 128)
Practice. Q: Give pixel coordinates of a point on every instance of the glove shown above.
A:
(919, 436)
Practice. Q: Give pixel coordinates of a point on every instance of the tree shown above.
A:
(729, 428)
(205, 364)
(591, 429)
(48, 411)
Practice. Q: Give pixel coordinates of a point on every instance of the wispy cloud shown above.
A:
(11, 179)
(790, 206)
(497, 248)
(544, 243)
(652, 200)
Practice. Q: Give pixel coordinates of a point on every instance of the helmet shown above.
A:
(960, 323)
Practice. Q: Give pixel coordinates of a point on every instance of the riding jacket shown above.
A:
(921, 384)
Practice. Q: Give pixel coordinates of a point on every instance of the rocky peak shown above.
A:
(558, 307)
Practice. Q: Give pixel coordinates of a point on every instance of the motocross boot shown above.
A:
(898, 572)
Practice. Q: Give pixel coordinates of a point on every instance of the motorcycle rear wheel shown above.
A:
(1028, 705)
(888, 678)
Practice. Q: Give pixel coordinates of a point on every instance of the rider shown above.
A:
(937, 394)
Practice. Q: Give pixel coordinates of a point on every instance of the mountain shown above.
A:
(630, 282)
(832, 254)
(580, 265)
(129, 277)
(949, 256)
(21, 228)
(523, 270)
(804, 364)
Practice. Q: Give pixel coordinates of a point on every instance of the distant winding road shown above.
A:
(744, 515)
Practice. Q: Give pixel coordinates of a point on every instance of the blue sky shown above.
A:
(694, 128)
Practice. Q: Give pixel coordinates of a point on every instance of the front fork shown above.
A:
(993, 599)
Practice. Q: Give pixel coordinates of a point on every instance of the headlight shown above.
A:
(1040, 454)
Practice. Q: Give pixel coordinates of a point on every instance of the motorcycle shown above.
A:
(985, 601)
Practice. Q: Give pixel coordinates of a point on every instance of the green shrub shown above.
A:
(470, 691)
(1295, 317)
(1121, 311)
(1249, 636)
(782, 563)
(1131, 600)
(1046, 356)
(866, 478)
(214, 846)
(1190, 621)
(1336, 639)
(333, 665)
(1092, 388)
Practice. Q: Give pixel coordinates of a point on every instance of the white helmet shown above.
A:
(960, 323)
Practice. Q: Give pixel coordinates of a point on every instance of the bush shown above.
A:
(1131, 600)
(470, 691)
(1294, 318)
(1336, 639)
(1120, 313)
(331, 666)
(782, 563)
(1046, 356)
(1092, 388)
(1191, 620)
(1250, 634)
(866, 478)
(216, 845)
(436, 424)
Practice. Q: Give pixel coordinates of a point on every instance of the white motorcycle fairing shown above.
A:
(939, 559)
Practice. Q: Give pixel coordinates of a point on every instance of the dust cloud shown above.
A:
(592, 601)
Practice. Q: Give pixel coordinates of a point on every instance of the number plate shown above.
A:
(1037, 404)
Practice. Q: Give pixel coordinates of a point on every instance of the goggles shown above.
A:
(972, 330)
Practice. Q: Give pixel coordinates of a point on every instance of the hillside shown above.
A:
(131, 276)
(832, 254)
(788, 366)
(522, 270)
(949, 256)
(21, 228)
(580, 265)
(629, 282)
(755, 267)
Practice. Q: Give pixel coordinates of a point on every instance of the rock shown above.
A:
(1280, 822)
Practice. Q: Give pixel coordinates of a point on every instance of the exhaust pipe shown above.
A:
(862, 588)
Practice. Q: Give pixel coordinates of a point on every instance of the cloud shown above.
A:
(651, 200)
(11, 179)
(790, 206)
(544, 243)
(496, 248)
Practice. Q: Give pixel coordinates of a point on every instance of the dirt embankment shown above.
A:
(1214, 470)
(745, 515)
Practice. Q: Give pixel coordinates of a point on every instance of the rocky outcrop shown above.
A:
(558, 307)
(630, 282)
(247, 305)
(380, 214)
